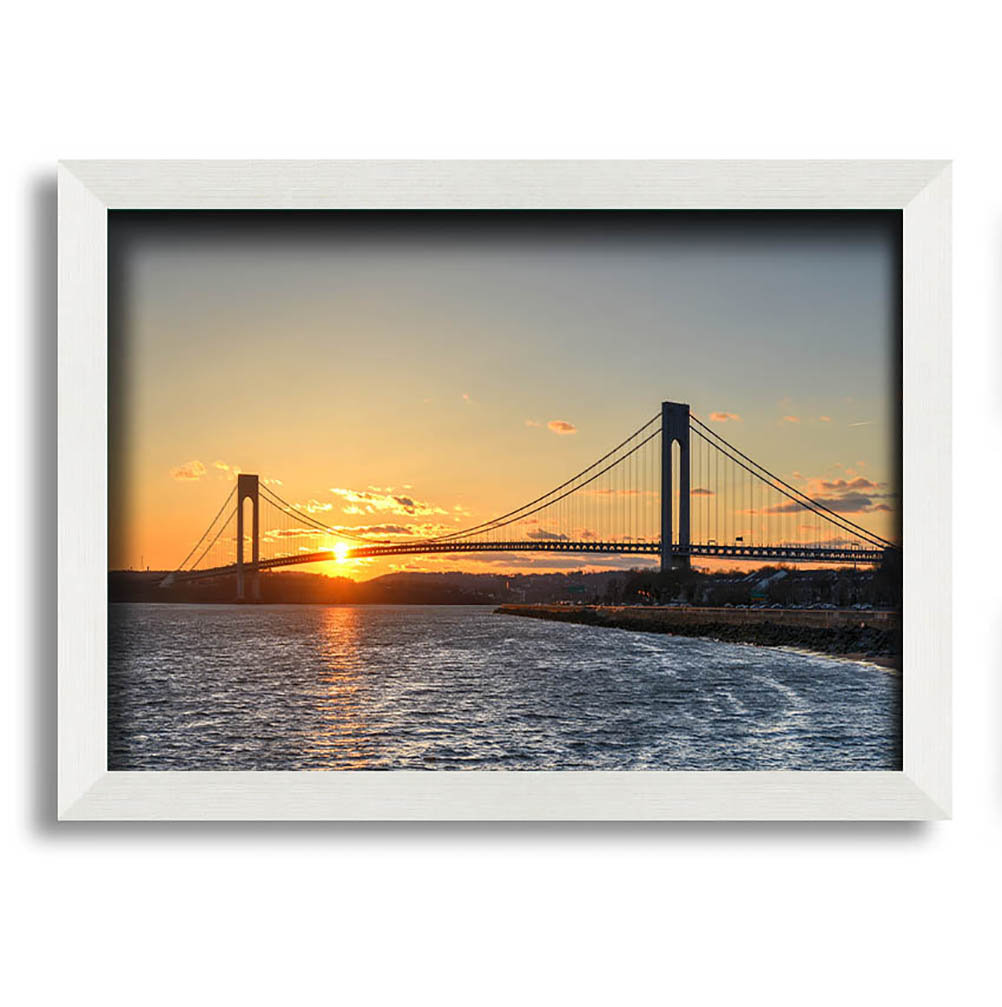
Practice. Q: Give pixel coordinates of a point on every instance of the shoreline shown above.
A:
(870, 637)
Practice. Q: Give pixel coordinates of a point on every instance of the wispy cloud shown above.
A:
(421, 529)
(824, 419)
(701, 491)
(862, 423)
(380, 529)
(374, 501)
(562, 427)
(857, 485)
(232, 471)
(314, 506)
(725, 418)
(533, 423)
(542, 534)
(188, 472)
(791, 419)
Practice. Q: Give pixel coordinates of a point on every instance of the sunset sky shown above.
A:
(469, 362)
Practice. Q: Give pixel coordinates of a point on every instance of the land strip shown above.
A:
(844, 632)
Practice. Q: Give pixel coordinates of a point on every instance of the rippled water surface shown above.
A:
(414, 687)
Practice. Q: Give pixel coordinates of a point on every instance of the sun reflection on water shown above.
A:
(338, 739)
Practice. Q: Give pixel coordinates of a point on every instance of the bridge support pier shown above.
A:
(674, 428)
(247, 488)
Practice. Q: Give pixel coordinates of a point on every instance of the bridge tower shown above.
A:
(674, 427)
(247, 487)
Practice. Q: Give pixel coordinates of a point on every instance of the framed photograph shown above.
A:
(504, 490)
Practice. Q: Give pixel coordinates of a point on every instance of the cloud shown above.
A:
(824, 419)
(378, 529)
(862, 423)
(791, 419)
(374, 500)
(725, 418)
(541, 534)
(701, 491)
(562, 427)
(850, 503)
(188, 472)
(841, 486)
(466, 397)
(314, 506)
(786, 507)
(551, 562)
(420, 530)
(231, 471)
(533, 423)
(857, 495)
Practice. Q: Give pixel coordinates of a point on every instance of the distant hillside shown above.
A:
(454, 588)
(846, 586)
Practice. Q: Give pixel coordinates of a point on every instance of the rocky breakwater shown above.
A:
(844, 632)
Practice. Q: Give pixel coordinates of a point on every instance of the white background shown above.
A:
(472, 914)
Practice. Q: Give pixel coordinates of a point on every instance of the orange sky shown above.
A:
(467, 365)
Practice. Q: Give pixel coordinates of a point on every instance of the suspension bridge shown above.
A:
(674, 489)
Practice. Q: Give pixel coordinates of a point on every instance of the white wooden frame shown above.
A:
(88, 189)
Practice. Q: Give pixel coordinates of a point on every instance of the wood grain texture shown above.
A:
(505, 184)
(82, 507)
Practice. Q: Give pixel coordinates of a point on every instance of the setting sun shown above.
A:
(341, 550)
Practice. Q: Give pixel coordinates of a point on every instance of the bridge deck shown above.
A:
(783, 554)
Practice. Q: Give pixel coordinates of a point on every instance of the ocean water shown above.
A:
(291, 687)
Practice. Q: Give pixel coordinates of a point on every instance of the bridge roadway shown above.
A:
(786, 554)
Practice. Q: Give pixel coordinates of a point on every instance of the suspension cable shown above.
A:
(814, 503)
(222, 528)
(807, 503)
(519, 516)
(206, 532)
(307, 518)
(485, 525)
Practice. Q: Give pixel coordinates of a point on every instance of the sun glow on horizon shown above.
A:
(340, 551)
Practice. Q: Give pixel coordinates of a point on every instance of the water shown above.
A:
(449, 687)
